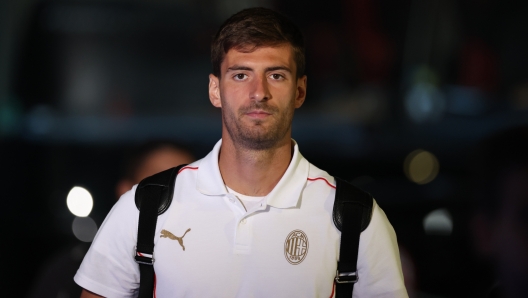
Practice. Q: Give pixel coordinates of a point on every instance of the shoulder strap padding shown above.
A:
(153, 197)
(348, 193)
(164, 184)
(352, 213)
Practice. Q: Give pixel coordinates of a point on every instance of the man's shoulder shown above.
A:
(315, 173)
(127, 201)
(191, 168)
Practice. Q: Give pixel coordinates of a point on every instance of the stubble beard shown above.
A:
(257, 135)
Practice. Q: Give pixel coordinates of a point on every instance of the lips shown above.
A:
(258, 114)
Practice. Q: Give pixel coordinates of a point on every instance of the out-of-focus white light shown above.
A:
(79, 201)
(438, 222)
(421, 166)
(84, 228)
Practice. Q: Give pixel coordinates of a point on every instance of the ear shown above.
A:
(300, 94)
(214, 91)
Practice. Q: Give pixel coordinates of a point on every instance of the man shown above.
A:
(253, 218)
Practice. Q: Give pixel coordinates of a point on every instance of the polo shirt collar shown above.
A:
(209, 180)
(285, 194)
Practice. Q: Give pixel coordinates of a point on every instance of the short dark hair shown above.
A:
(252, 28)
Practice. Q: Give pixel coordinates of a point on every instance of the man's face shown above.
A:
(258, 92)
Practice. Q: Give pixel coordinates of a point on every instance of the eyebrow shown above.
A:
(238, 67)
(278, 68)
(273, 68)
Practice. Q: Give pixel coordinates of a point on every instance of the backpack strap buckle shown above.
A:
(144, 258)
(346, 277)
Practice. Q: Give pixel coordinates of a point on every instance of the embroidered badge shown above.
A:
(167, 234)
(296, 247)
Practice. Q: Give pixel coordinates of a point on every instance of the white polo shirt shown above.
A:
(285, 246)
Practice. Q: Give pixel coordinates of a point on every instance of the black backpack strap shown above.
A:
(352, 212)
(153, 197)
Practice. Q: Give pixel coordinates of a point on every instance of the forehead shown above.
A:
(266, 56)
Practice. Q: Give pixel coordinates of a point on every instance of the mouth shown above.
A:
(258, 114)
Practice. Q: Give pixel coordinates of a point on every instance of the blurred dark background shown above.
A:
(399, 93)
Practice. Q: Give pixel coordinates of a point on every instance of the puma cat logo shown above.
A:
(167, 234)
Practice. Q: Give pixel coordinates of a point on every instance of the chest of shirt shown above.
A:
(272, 251)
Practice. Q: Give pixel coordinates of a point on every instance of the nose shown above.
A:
(260, 89)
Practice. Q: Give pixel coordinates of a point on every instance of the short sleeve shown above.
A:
(109, 269)
(379, 266)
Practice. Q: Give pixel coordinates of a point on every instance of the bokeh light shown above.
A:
(84, 228)
(79, 201)
(438, 222)
(421, 166)
(425, 103)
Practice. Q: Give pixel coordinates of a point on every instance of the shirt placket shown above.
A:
(243, 224)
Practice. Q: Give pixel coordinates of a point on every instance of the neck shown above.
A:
(253, 172)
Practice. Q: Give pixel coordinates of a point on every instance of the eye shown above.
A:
(277, 76)
(240, 76)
